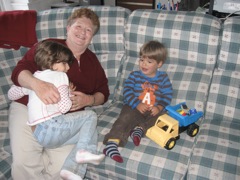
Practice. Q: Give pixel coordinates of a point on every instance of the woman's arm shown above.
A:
(47, 92)
(81, 100)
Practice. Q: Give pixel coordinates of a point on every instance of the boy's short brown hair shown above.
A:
(154, 50)
(50, 52)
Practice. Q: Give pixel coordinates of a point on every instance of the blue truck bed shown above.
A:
(173, 111)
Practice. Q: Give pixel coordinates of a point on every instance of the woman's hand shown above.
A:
(155, 110)
(80, 100)
(47, 92)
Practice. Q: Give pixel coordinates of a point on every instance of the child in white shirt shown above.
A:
(51, 126)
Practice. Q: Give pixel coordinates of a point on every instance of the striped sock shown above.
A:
(136, 135)
(111, 150)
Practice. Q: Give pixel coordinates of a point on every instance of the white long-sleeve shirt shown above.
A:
(37, 110)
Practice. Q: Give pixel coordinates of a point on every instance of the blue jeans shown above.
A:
(77, 128)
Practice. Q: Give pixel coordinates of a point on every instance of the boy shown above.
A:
(146, 94)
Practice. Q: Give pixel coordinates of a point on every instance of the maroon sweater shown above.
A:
(88, 78)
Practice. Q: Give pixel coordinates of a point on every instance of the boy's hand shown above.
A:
(142, 108)
(155, 110)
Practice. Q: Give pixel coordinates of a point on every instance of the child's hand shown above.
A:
(156, 109)
(72, 87)
(142, 108)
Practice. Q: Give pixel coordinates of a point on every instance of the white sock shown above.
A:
(68, 175)
(84, 156)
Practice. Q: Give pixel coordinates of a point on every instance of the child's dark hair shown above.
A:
(51, 52)
(154, 50)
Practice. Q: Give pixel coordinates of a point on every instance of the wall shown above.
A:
(109, 2)
(31, 4)
(191, 5)
(5, 5)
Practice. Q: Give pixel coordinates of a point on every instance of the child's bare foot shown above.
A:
(68, 175)
(84, 156)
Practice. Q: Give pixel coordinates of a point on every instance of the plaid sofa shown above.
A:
(203, 66)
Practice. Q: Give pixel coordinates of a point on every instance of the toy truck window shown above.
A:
(163, 126)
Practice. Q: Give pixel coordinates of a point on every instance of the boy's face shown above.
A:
(149, 66)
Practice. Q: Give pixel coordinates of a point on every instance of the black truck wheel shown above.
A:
(170, 144)
(193, 130)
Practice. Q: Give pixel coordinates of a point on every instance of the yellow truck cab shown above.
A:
(168, 126)
(164, 132)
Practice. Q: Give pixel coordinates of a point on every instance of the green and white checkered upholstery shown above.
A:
(216, 155)
(192, 41)
(5, 149)
(229, 56)
(146, 161)
(8, 60)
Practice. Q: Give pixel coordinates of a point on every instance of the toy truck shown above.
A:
(168, 127)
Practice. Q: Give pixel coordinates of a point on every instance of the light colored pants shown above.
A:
(30, 159)
(77, 128)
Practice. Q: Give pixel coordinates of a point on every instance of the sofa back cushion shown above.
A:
(229, 56)
(192, 41)
(224, 97)
(8, 60)
(216, 153)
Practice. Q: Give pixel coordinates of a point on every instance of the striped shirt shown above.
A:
(141, 88)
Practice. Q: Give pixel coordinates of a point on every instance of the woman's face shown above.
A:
(80, 32)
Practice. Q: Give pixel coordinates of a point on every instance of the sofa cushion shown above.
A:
(229, 56)
(110, 64)
(192, 41)
(216, 154)
(147, 161)
(9, 59)
(5, 150)
(224, 96)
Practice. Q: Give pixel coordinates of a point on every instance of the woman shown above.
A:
(30, 159)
